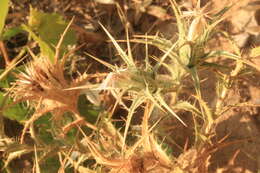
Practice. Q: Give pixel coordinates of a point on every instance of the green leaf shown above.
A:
(43, 125)
(88, 111)
(16, 112)
(50, 26)
(3, 13)
(195, 77)
(46, 29)
(46, 50)
(7, 34)
(51, 164)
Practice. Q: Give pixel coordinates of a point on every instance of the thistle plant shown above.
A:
(142, 84)
(189, 54)
(145, 84)
(43, 86)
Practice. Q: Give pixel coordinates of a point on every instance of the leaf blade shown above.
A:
(4, 4)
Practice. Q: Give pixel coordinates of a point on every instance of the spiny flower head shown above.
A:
(44, 80)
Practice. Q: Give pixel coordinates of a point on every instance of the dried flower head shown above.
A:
(45, 81)
(44, 87)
